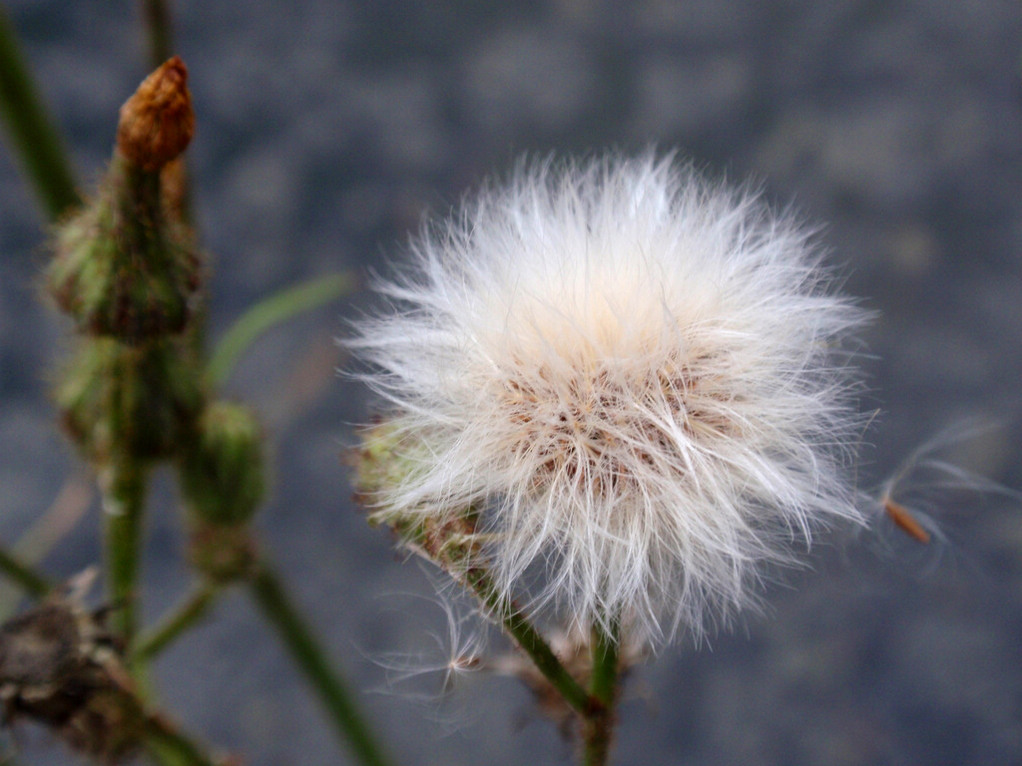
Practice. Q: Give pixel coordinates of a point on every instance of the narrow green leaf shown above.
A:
(33, 137)
(269, 313)
(27, 578)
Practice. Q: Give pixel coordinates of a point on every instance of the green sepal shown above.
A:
(223, 472)
(137, 401)
(122, 267)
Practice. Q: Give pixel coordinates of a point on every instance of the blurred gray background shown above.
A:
(327, 130)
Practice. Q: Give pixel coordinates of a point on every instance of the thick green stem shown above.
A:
(598, 725)
(124, 486)
(605, 651)
(34, 139)
(340, 704)
(27, 578)
(185, 615)
(529, 639)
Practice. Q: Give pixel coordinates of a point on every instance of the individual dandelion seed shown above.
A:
(635, 378)
(928, 480)
(450, 653)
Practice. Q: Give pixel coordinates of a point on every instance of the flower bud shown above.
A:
(222, 473)
(124, 265)
(138, 400)
(157, 122)
(121, 268)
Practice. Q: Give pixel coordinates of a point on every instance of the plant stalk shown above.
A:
(598, 724)
(156, 16)
(529, 639)
(169, 746)
(185, 615)
(124, 487)
(340, 704)
(30, 581)
(34, 139)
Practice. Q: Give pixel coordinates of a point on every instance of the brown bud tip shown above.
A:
(157, 122)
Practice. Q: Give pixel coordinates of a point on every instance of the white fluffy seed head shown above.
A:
(635, 373)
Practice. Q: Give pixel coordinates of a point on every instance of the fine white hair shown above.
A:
(635, 375)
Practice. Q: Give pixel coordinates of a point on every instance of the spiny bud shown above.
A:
(157, 122)
(222, 472)
(123, 265)
(138, 400)
(120, 268)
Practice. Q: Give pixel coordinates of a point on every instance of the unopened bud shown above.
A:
(174, 180)
(157, 122)
(124, 265)
(139, 400)
(222, 472)
(121, 266)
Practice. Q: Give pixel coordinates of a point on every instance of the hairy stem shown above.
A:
(34, 139)
(529, 639)
(124, 486)
(340, 704)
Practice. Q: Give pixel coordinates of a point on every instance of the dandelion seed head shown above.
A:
(637, 374)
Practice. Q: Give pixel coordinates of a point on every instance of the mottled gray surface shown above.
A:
(326, 129)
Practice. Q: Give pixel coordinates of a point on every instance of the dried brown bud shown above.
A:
(174, 185)
(59, 666)
(157, 122)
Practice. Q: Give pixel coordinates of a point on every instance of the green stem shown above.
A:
(605, 651)
(27, 578)
(185, 615)
(157, 24)
(34, 138)
(529, 639)
(598, 726)
(278, 610)
(124, 487)
(168, 746)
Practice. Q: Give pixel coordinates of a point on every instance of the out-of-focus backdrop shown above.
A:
(327, 129)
